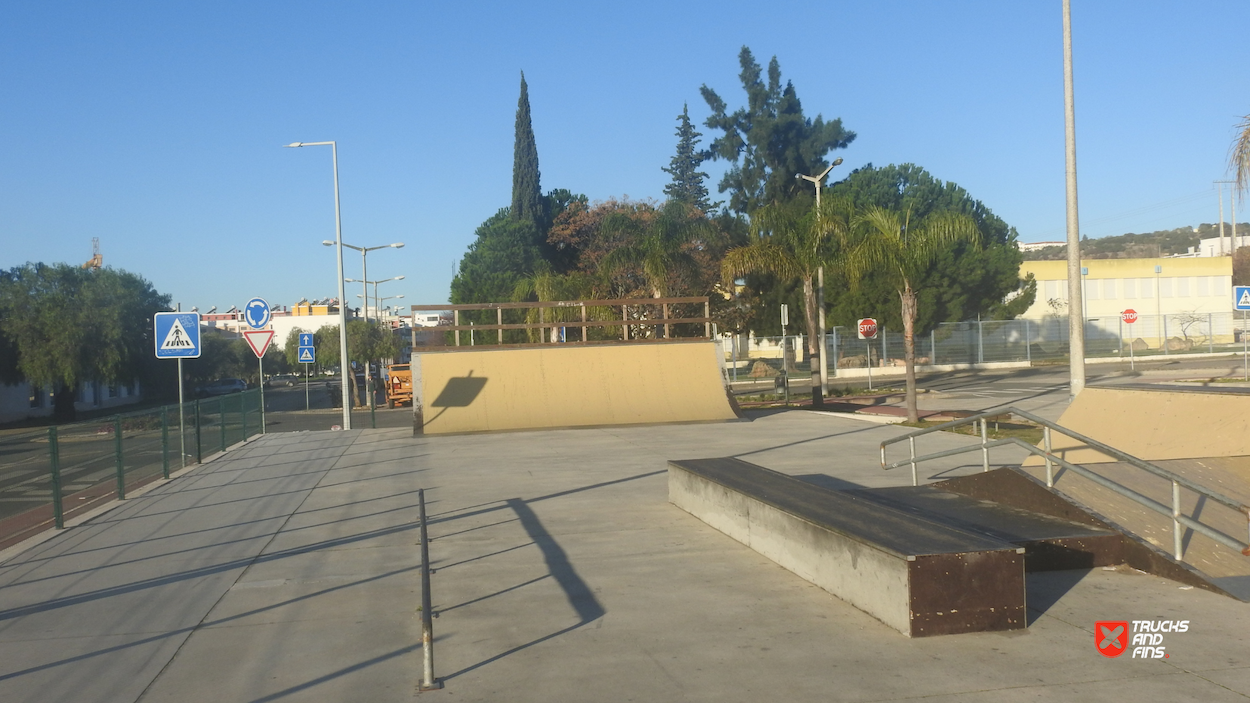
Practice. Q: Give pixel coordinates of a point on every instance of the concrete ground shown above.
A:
(287, 570)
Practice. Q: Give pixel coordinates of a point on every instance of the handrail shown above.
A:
(1178, 481)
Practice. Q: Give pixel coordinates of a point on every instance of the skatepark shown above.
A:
(565, 569)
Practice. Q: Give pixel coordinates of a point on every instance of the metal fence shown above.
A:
(990, 341)
(48, 476)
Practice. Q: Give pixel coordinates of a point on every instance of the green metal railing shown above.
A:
(49, 476)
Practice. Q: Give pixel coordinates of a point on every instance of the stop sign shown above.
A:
(867, 328)
(1129, 316)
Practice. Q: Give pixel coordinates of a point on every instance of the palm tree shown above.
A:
(793, 241)
(659, 245)
(892, 247)
(547, 286)
(1239, 156)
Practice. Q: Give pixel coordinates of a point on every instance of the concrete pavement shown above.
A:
(287, 570)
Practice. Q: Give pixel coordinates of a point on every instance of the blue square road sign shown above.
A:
(306, 355)
(177, 335)
(1241, 297)
(305, 339)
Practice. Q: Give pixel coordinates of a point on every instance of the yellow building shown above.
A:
(1149, 286)
(1188, 301)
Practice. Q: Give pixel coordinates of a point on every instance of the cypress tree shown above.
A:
(527, 200)
(687, 184)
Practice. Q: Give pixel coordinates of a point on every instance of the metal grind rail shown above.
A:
(1173, 511)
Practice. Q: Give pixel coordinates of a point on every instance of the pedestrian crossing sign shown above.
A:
(177, 335)
(307, 355)
(1241, 297)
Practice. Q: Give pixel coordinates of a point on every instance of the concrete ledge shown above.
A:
(915, 575)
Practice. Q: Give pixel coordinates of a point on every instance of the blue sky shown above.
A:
(158, 126)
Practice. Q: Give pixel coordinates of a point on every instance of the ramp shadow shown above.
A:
(460, 392)
(1045, 588)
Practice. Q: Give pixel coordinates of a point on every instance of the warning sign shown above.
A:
(176, 335)
(177, 338)
(258, 340)
(306, 355)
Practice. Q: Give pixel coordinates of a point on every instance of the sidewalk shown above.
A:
(287, 571)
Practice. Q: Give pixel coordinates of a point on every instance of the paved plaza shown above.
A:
(288, 570)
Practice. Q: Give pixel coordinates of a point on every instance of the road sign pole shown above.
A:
(868, 346)
(1245, 356)
(261, 361)
(182, 420)
(305, 387)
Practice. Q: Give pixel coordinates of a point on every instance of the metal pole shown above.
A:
(1176, 522)
(1076, 323)
(199, 448)
(182, 428)
(338, 238)
(1165, 335)
(117, 452)
(820, 325)
(868, 345)
(306, 403)
(164, 441)
(985, 449)
(933, 347)
(1210, 334)
(1050, 467)
(221, 419)
(456, 319)
(1028, 344)
(980, 341)
(1245, 355)
(262, 400)
(1132, 363)
(54, 455)
(911, 441)
(428, 680)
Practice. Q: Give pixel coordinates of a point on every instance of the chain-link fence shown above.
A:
(990, 341)
(51, 475)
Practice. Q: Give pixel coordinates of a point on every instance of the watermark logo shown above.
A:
(1111, 636)
(1145, 637)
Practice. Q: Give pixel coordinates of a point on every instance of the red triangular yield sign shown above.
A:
(259, 341)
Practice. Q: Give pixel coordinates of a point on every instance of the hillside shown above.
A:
(1137, 246)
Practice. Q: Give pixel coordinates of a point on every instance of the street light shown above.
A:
(375, 288)
(820, 294)
(364, 264)
(338, 234)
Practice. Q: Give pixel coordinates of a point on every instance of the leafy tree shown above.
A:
(1241, 267)
(900, 252)
(505, 251)
(687, 184)
(527, 201)
(793, 241)
(290, 347)
(656, 246)
(769, 140)
(962, 282)
(68, 325)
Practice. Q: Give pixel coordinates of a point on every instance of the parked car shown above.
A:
(282, 380)
(223, 386)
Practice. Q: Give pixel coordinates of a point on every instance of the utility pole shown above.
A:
(1076, 321)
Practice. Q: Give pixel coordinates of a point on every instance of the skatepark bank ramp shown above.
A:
(554, 386)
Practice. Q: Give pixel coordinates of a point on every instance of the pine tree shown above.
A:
(687, 185)
(527, 200)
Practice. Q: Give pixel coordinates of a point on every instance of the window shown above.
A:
(1108, 289)
(36, 397)
(1182, 287)
(1092, 290)
(1130, 288)
(1204, 286)
(1219, 285)
(1165, 288)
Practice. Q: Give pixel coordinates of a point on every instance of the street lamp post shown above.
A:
(338, 233)
(375, 289)
(364, 286)
(819, 398)
(1076, 327)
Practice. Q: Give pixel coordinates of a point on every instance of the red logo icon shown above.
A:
(1111, 637)
(1129, 316)
(867, 328)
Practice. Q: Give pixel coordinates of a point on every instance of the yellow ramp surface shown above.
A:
(1154, 425)
(570, 386)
